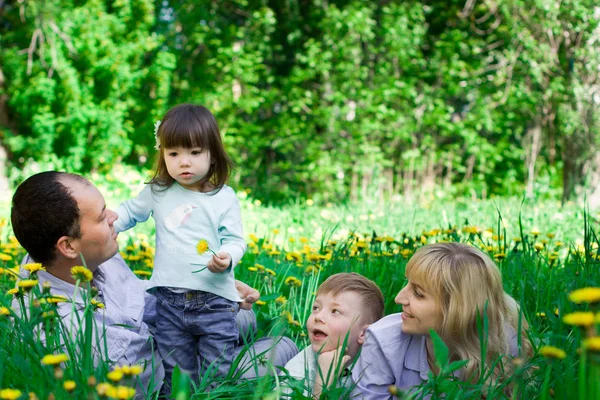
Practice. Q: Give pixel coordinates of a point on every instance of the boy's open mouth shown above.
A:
(319, 334)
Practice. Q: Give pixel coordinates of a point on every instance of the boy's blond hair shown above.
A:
(371, 296)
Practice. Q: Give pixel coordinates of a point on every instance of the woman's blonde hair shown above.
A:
(466, 282)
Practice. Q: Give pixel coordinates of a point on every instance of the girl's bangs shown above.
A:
(181, 134)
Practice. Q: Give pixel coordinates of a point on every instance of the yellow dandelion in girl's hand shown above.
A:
(82, 274)
(27, 284)
(552, 352)
(54, 359)
(579, 318)
(585, 295)
(10, 394)
(202, 247)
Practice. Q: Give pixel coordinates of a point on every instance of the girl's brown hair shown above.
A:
(190, 125)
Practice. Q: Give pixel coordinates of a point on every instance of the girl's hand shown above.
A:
(219, 262)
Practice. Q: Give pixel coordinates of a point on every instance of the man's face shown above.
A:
(98, 240)
(332, 318)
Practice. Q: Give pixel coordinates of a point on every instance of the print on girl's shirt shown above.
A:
(179, 216)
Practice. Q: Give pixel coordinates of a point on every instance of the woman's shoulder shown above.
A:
(388, 329)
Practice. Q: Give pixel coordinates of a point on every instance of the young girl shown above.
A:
(449, 284)
(197, 222)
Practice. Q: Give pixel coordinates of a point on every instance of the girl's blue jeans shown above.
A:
(196, 330)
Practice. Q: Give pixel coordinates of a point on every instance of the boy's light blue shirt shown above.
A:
(184, 217)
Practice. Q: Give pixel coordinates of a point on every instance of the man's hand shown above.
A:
(248, 294)
(219, 262)
(328, 364)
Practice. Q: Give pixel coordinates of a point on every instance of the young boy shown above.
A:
(345, 305)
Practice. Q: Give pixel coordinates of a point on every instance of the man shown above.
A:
(62, 221)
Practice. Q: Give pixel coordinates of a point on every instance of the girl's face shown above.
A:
(421, 311)
(187, 166)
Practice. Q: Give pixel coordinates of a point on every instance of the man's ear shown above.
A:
(67, 247)
(363, 334)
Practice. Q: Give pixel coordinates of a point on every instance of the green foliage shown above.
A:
(331, 100)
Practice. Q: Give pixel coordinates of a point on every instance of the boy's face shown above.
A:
(331, 319)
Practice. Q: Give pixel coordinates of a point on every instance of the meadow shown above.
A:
(545, 252)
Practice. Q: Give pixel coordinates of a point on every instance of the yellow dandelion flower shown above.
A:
(550, 235)
(252, 245)
(292, 240)
(579, 318)
(80, 273)
(304, 240)
(270, 271)
(260, 303)
(552, 352)
(259, 267)
(141, 272)
(538, 246)
(5, 257)
(585, 295)
(115, 375)
(121, 392)
(281, 300)
(54, 359)
(517, 239)
(10, 394)
(293, 281)
(34, 267)
(97, 304)
(275, 231)
(27, 284)
(592, 344)
(274, 253)
(202, 246)
(471, 230)
(56, 299)
(499, 256)
(131, 370)
(535, 232)
(293, 256)
(4, 311)
(253, 237)
(69, 385)
(103, 388)
(252, 269)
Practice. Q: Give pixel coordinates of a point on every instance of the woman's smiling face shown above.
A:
(421, 310)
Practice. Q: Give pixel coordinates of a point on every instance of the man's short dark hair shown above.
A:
(44, 210)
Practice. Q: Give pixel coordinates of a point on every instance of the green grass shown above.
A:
(556, 254)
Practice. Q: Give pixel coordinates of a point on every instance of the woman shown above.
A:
(449, 285)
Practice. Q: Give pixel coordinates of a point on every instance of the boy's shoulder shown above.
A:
(304, 362)
(388, 330)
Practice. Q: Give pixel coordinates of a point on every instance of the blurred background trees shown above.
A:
(330, 100)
